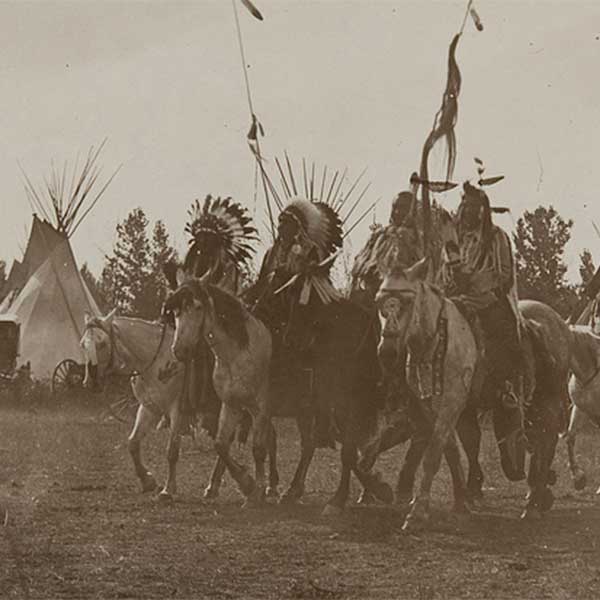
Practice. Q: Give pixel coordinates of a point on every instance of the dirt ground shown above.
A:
(78, 527)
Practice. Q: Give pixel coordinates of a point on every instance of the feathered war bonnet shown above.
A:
(318, 222)
(320, 228)
(220, 230)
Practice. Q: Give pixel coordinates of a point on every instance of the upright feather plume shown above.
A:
(226, 224)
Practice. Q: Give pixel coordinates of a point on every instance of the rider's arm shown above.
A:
(504, 261)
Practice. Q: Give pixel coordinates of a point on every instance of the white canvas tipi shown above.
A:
(51, 306)
(50, 297)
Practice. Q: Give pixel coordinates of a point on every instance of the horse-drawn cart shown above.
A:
(10, 333)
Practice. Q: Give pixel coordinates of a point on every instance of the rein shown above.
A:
(114, 352)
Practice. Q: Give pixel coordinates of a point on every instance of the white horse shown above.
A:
(143, 349)
(584, 390)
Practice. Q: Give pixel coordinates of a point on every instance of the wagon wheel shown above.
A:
(67, 375)
(119, 400)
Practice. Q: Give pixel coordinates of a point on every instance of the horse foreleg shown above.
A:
(216, 477)
(145, 420)
(348, 455)
(212, 489)
(541, 476)
(391, 437)
(408, 472)
(229, 417)
(442, 430)
(307, 450)
(260, 439)
(458, 477)
(469, 433)
(578, 417)
(423, 419)
(272, 491)
(173, 446)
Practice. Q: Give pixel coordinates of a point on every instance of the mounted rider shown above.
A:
(294, 292)
(398, 245)
(221, 237)
(394, 247)
(479, 274)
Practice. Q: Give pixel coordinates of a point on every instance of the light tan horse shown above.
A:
(135, 346)
(411, 311)
(584, 390)
(241, 346)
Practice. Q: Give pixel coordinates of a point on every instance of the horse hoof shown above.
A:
(552, 478)
(256, 499)
(531, 513)
(403, 499)
(331, 510)
(384, 492)
(148, 483)
(366, 498)
(547, 500)
(272, 492)
(290, 497)
(580, 481)
(474, 493)
(164, 498)
(210, 493)
(461, 508)
(413, 524)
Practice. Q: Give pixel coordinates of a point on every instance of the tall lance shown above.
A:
(256, 128)
(443, 126)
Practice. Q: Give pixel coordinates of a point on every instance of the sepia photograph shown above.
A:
(299, 299)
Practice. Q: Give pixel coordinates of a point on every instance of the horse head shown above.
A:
(407, 307)
(191, 305)
(97, 347)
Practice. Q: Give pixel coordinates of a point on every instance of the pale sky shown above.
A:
(347, 83)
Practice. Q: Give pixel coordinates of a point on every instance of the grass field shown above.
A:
(78, 527)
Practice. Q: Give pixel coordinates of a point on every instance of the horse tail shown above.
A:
(544, 361)
(545, 366)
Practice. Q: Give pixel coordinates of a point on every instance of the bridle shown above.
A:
(114, 353)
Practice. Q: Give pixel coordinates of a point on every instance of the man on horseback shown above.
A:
(395, 246)
(479, 273)
(294, 295)
(221, 236)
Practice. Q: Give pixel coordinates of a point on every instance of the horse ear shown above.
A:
(419, 271)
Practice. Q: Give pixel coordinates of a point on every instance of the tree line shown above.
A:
(132, 275)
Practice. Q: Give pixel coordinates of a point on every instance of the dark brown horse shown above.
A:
(325, 370)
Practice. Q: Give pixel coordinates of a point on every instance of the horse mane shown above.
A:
(230, 313)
